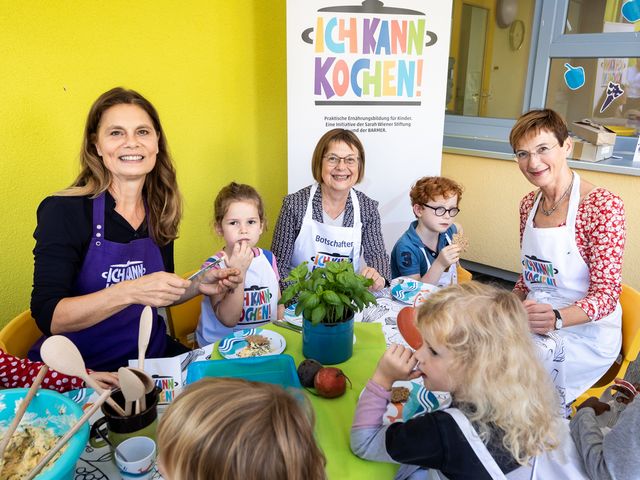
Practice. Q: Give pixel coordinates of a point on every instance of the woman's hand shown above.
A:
(378, 280)
(105, 380)
(241, 257)
(158, 289)
(542, 320)
(219, 281)
(449, 255)
(397, 363)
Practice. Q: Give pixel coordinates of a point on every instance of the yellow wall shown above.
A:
(214, 70)
(489, 211)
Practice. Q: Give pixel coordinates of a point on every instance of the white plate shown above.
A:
(290, 316)
(230, 345)
(412, 292)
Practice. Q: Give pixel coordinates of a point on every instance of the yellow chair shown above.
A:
(19, 334)
(630, 302)
(183, 319)
(463, 275)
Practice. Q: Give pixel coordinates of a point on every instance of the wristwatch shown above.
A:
(558, 324)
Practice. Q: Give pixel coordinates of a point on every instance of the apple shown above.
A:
(307, 371)
(330, 382)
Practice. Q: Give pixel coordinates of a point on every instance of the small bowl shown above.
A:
(51, 410)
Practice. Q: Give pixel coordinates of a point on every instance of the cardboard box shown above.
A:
(593, 132)
(588, 152)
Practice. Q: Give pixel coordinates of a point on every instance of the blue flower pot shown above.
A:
(328, 343)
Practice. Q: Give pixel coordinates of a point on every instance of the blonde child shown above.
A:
(232, 429)
(476, 345)
(240, 220)
(426, 251)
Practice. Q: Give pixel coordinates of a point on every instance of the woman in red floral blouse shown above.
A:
(572, 237)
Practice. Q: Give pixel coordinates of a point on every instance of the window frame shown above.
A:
(548, 41)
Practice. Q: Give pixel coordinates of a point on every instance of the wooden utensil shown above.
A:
(61, 354)
(65, 438)
(131, 386)
(21, 409)
(407, 327)
(144, 334)
(149, 384)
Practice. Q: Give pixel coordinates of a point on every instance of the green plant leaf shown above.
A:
(287, 296)
(318, 314)
(331, 297)
(299, 308)
(312, 301)
(334, 267)
(339, 311)
(346, 300)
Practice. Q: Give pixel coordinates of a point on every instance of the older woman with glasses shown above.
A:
(572, 237)
(330, 220)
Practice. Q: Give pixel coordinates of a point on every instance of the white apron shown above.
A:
(562, 464)
(555, 273)
(259, 306)
(449, 277)
(319, 243)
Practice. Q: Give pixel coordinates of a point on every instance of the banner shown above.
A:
(381, 71)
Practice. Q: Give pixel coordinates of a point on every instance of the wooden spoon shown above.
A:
(131, 386)
(149, 384)
(144, 334)
(61, 354)
(407, 327)
(23, 408)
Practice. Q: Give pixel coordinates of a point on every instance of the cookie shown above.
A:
(461, 239)
(399, 394)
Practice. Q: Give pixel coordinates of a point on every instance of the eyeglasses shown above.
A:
(541, 152)
(334, 160)
(440, 211)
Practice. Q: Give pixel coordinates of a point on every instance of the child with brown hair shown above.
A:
(427, 250)
(240, 220)
(476, 345)
(233, 429)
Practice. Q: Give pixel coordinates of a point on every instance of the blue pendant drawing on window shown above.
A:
(631, 11)
(574, 76)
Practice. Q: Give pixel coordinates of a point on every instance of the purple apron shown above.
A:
(108, 345)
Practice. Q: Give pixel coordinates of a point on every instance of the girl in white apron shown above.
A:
(476, 345)
(555, 273)
(240, 220)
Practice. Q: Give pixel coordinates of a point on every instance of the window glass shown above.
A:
(597, 16)
(605, 90)
(488, 64)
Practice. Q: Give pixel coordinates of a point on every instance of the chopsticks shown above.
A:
(81, 421)
(21, 409)
(287, 325)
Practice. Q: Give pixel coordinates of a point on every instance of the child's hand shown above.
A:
(598, 406)
(241, 257)
(106, 380)
(397, 363)
(220, 281)
(449, 255)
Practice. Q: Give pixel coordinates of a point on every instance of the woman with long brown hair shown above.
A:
(104, 246)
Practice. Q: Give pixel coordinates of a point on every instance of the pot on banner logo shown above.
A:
(257, 304)
(320, 259)
(539, 271)
(121, 272)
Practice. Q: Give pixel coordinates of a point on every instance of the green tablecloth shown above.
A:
(334, 416)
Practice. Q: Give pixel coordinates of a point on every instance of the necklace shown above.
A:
(548, 213)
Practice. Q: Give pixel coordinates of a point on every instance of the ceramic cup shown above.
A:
(140, 454)
(117, 429)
